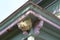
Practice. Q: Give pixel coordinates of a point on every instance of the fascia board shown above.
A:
(42, 11)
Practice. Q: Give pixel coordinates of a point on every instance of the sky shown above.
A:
(7, 7)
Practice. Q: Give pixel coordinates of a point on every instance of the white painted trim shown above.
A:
(25, 15)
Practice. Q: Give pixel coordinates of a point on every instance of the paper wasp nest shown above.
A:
(25, 25)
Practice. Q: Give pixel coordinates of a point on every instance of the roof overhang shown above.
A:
(24, 11)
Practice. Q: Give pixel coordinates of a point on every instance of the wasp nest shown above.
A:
(25, 25)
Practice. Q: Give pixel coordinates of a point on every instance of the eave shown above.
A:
(38, 10)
